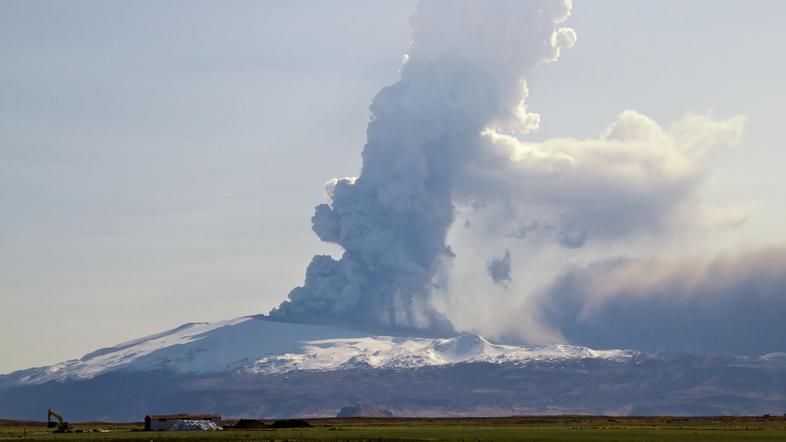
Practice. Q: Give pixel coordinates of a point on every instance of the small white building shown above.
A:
(172, 422)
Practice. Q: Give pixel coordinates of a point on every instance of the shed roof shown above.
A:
(183, 416)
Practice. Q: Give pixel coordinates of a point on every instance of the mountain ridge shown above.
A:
(258, 368)
(257, 345)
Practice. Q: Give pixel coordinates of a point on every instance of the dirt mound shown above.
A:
(290, 423)
(249, 424)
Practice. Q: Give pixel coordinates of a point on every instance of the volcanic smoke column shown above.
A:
(465, 72)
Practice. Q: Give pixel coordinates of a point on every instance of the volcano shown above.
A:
(254, 366)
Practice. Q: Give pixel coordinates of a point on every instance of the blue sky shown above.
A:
(159, 162)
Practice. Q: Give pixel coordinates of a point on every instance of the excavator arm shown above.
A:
(62, 427)
(50, 414)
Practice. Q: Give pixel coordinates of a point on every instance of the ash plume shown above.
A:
(732, 303)
(465, 73)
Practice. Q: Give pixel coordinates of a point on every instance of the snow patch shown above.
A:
(393, 352)
(257, 345)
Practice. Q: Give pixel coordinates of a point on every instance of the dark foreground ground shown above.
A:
(552, 428)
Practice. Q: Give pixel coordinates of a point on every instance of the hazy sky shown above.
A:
(159, 161)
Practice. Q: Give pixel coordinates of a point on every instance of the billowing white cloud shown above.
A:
(636, 177)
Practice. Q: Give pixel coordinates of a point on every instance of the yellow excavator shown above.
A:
(62, 426)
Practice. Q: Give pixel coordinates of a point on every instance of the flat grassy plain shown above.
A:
(556, 428)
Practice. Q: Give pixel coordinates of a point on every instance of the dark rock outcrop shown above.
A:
(364, 411)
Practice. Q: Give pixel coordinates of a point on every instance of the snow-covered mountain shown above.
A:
(257, 345)
(256, 367)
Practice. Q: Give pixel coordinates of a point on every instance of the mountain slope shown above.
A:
(258, 345)
(255, 367)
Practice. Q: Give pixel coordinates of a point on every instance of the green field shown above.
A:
(562, 428)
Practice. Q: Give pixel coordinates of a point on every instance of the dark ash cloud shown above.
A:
(499, 269)
(727, 305)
